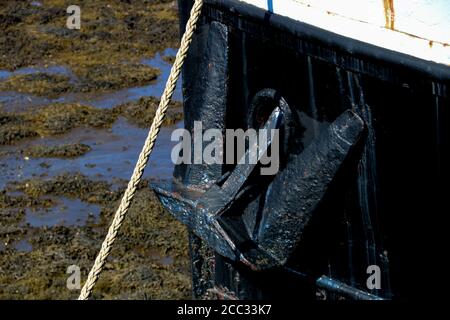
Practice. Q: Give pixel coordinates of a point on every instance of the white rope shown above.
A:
(145, 153)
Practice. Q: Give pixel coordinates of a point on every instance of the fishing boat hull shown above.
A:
(374, 210)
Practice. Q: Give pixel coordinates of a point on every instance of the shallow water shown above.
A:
(68, 212)
(23, 246)
(113, 155)
(54, 69)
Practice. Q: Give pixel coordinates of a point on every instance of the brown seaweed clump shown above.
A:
(71, 150)
(142, 112)
(14, 131)
(40, 84)
(74, 186)
(52, 119)
(22, 201)
(115, 76)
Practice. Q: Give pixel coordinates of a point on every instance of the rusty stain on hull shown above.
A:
(389, 14)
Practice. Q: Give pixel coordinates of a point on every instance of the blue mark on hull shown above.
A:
(270, 5)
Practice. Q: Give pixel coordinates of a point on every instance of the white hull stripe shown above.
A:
(419, 28)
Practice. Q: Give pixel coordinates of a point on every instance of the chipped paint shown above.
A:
(389, 14)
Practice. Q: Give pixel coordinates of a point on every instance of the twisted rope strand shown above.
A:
(145, 153)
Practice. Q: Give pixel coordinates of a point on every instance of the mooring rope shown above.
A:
(145, 153)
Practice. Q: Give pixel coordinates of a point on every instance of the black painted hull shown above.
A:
(385, 196)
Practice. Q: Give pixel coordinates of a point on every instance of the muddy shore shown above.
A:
(75, 106)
